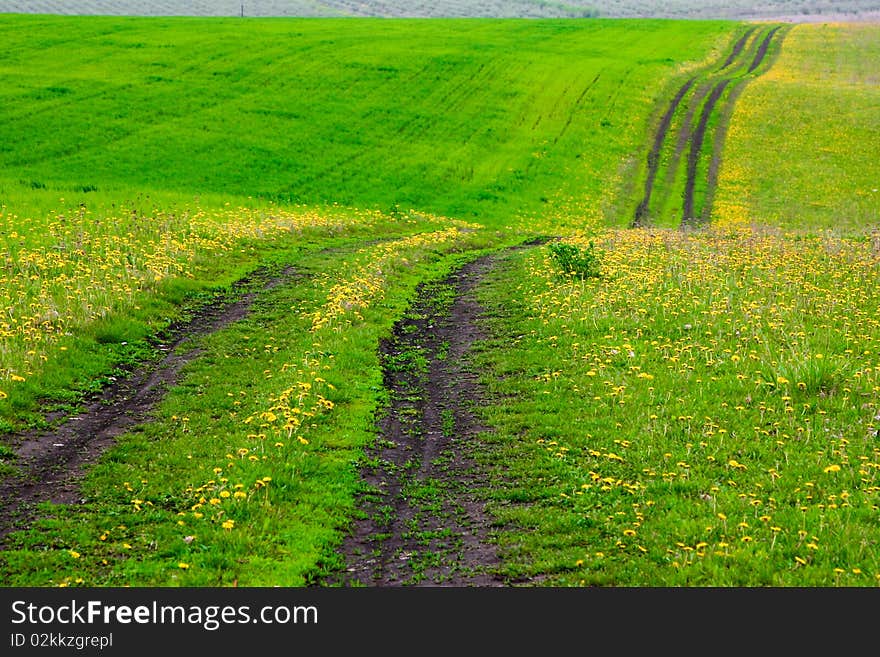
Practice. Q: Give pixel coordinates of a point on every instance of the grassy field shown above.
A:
(703, 413)
(488, 120)
(704, 410)
(826, 81)
(700, 408)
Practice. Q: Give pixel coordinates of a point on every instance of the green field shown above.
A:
(826, 82)
(697, 405)
(336, 112)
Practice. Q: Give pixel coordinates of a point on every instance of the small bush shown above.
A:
(575, 261)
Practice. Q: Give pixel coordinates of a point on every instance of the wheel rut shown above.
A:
(710, 95)
(421, 521)
(50, 464)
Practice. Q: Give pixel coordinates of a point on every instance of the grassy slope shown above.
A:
(802, 148)
(705, 413)
(473, 119)
(482, 119)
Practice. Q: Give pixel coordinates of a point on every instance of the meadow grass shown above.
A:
(247, 473)
(476, 119)
(704, 413)
(801, 149)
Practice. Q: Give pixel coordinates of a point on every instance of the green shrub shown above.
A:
(576, 261)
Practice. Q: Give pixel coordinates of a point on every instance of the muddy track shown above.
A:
(696, 151)
(735, 71)
(654, 154)
(421, 521)
(51, 464)
(689, 215)
(762, 50)
(738, 48)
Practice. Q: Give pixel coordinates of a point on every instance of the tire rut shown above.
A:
(421, 522)
(725, 83)
(51, 463)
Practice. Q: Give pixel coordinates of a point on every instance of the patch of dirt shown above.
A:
(421, 521)
(51, 464)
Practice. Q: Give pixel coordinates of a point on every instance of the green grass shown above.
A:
(701, 412)
(266, 431)
(475, 119)
(690, 418)
(800, 150)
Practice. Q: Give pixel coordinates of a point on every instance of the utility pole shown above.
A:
(242, 10)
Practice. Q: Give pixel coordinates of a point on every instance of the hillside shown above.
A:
(332, 302)
(481, 119)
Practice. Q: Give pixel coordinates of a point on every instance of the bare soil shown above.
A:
(421, 520)
(51, 463)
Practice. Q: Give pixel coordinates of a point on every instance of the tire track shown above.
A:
(762, 50)
(716, 91)
(690, 215)
(696, 150)
(738, 48)
(50, 464)
(421, 521)
(654, 154)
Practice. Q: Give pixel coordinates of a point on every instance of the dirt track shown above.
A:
(717, 88)
(421, 524)
(51, 464)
